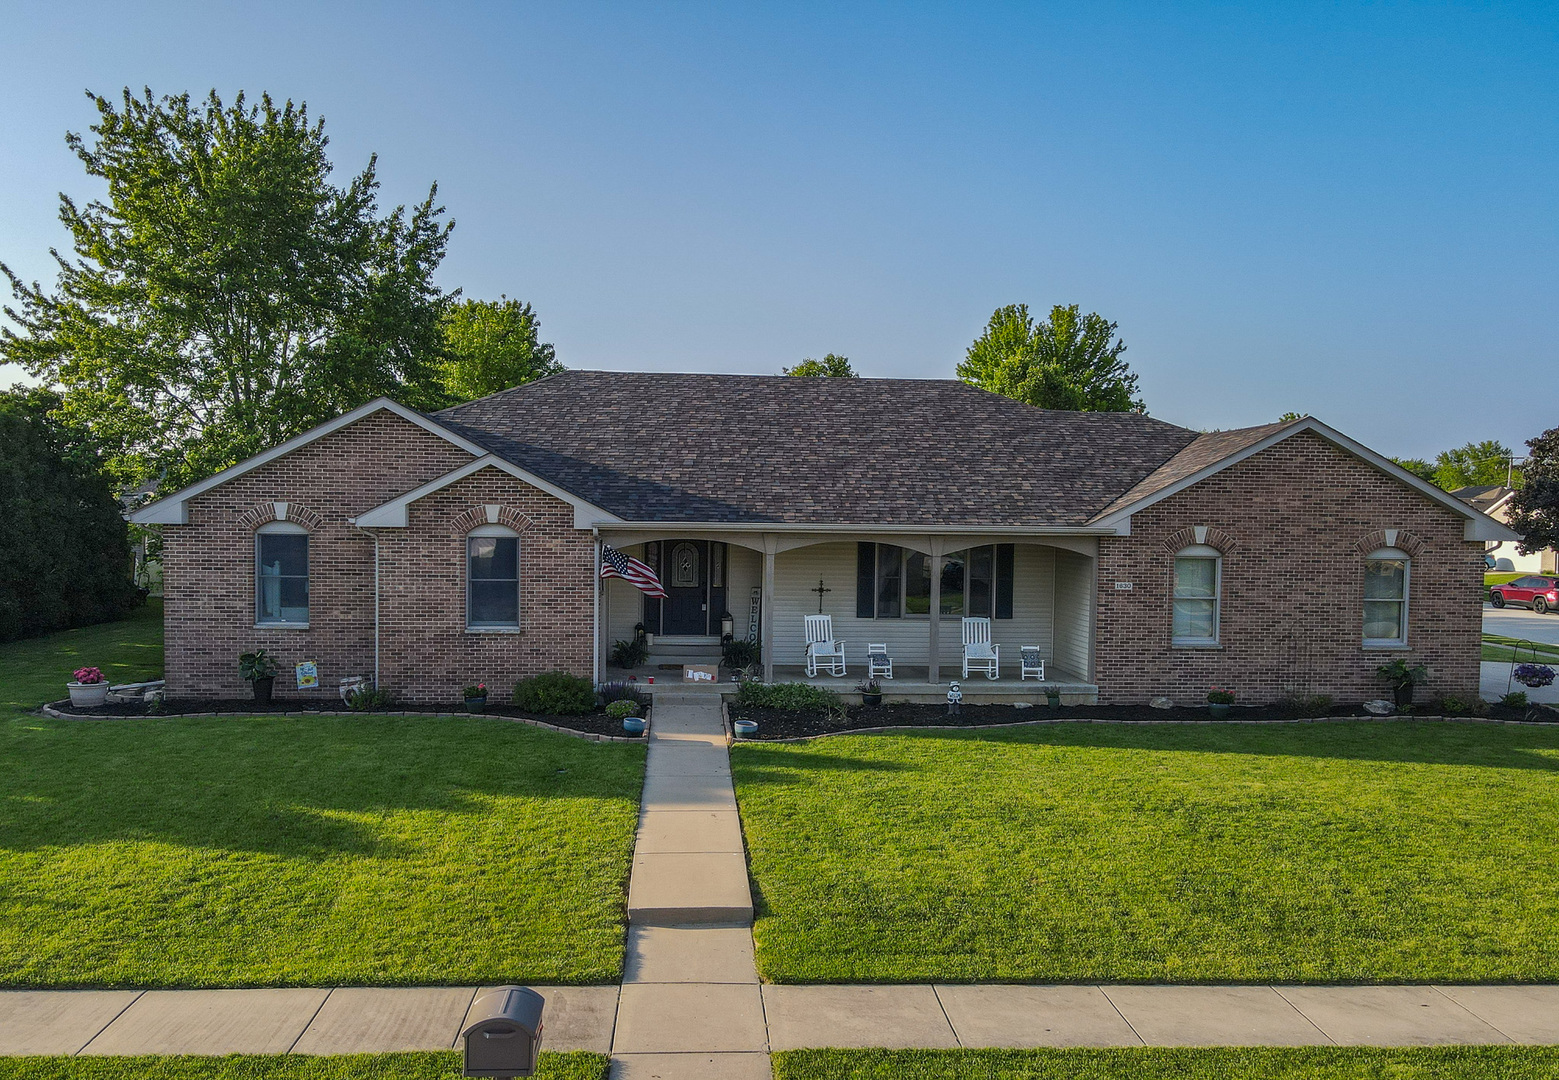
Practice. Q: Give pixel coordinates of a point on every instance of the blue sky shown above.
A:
(1343, 209)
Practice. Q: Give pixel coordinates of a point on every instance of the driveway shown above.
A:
(1520, 623)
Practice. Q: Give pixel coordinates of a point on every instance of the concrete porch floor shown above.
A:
(910, 683)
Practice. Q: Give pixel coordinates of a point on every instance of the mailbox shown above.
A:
(502, 1035)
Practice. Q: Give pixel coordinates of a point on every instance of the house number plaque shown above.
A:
(1123, 586)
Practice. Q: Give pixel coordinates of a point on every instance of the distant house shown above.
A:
(1140, 558)
(1494, 500)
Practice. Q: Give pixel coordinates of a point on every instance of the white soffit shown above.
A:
(174, 509)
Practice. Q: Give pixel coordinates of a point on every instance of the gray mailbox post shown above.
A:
(503, 1033)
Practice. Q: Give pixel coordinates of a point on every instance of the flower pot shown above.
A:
(87, 695)
(1402, 695)
(476, 704)
(262, 689)
(633, 725)
(745, 728)
(1053, 700)
(871, 699)
(1218, 710)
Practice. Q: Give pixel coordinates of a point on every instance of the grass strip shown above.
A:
(418, 1066)
(1154, 1063)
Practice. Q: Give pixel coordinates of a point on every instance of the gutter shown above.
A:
(919, 530)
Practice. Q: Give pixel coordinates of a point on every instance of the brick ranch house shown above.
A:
(434, 551)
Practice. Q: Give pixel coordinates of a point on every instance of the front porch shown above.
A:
(908, 592)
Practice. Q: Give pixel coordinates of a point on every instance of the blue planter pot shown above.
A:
(1218, 711)
(745, 728)
(633, 725)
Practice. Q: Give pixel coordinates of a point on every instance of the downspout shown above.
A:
(375, 536)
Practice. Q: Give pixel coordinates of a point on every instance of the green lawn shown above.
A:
(1219, 1063)
(35, 671)
(1076, 852)
(299, 851)
(1497, 647)
(1492, 578)
(432, 1066)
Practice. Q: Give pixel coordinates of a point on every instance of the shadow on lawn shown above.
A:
(760, 764)
(1395, 742)
(308, 790)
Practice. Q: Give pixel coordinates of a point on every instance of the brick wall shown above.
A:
(426, 652)
(1295, 522)
(208, 564)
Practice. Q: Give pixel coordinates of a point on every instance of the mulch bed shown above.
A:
(595, 724)
(792, 723)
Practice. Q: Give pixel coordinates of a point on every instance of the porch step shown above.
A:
(661, 653)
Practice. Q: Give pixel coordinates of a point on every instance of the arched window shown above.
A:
(684, 567)
(493, 578)
(281, 574)
(1198, 589)
(1386, 574)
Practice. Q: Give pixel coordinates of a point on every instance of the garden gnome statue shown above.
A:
(955, 694)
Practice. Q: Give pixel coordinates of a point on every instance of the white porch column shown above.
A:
(766, 618)
(934, 616)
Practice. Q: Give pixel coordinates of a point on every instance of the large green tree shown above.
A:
(225, 294)
(491, 345)
(830, 367)
(66, 548)
(1070, 361)
(1477, 463)
(1534, 509)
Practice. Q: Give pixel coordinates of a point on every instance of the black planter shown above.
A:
(871, 699)
(476, 704)
(262, 689)
(1402, 695)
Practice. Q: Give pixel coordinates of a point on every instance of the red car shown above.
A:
(1538, 593)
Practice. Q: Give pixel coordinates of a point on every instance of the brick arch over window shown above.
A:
(489, 514)
(264, 513)
(1200, 534)
(1400, 539)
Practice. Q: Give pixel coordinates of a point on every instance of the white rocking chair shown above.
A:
(822, 650)
(878, 662)
(1032, 664)
(979, 653)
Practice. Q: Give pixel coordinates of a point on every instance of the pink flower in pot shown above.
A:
(90, 688)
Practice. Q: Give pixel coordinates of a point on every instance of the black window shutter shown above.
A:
(865, 581)
(1004, 557)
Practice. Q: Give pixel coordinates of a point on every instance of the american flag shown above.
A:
(615, 564)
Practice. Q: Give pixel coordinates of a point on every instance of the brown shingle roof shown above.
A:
(760, 448)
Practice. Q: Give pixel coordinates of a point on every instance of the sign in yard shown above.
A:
(308, 675)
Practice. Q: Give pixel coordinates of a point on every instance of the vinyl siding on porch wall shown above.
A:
(1074, 622)
(797, 571)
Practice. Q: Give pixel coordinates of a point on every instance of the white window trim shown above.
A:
(285, 528)
(1392, 555)
(477, 533)
(1199, 551)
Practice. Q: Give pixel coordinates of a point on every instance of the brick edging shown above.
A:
(1107, 720)
(50, 710)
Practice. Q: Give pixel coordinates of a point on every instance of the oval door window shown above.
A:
(684, 566)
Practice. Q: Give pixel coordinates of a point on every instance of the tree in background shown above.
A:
(1072, 361)
(226, 295)
(1534, 509)
(831, 367)
(491, 345)
(1478, 463)
(1420, 468)
(67, 549)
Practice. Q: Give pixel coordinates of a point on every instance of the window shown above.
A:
(893, 582)
(684, 566)
(281, 579)
(493, 579)
(1385, 597)
(1198, 581)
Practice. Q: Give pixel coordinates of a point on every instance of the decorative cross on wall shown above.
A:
(820, 590)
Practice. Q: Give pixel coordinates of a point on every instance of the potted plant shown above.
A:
(475, 697)
(871, 692)
(1402, 678)
(1218, 702)
(258, 669)
(1053, 696)
(90, 689)
(1533, 675)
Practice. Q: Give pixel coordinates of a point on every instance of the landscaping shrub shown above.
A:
(369, 698)
(1516, 699)
(556, 693)
(622, 708)
(622, 691)
(1306, 704)
(799, 697)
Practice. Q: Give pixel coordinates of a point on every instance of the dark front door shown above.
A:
(685, 575)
